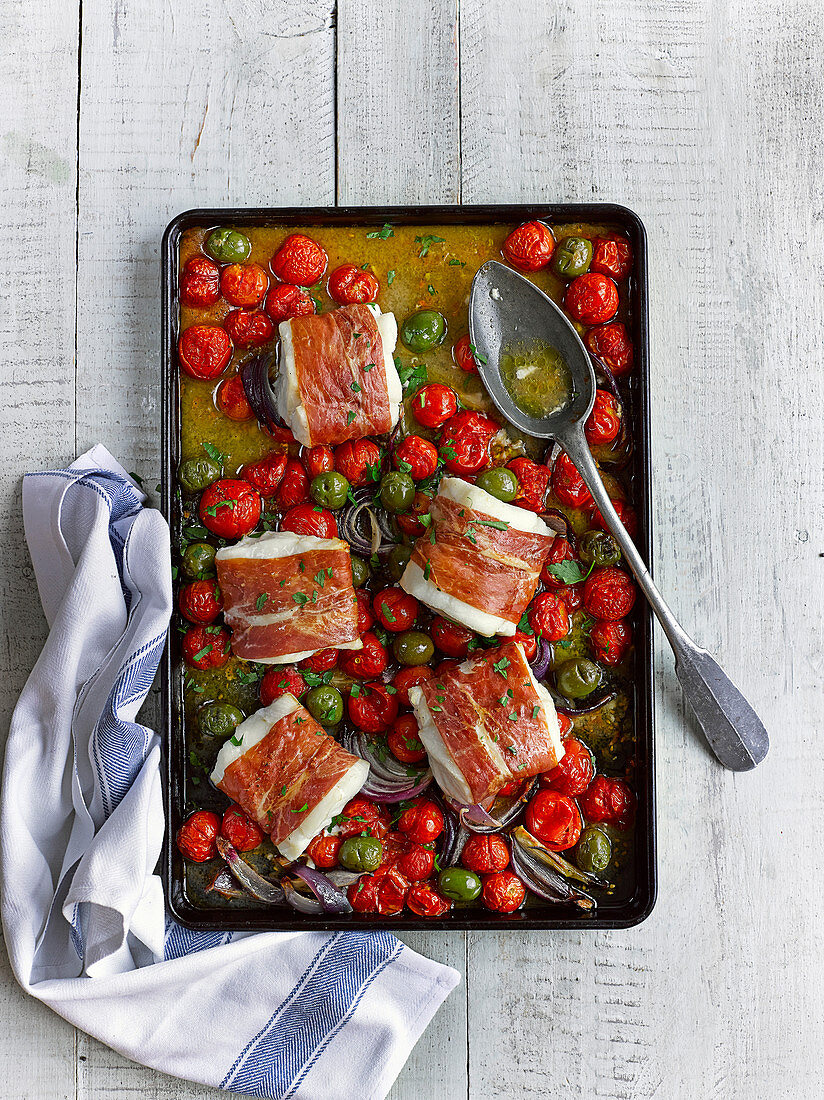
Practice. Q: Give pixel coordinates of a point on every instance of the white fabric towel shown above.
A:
(303, 1015)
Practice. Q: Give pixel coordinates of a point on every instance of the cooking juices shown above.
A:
(536, 377)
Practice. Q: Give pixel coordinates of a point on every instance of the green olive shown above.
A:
(578, 677)
(398, 560)
(219, 719)
(572, 257)
(397, 492)
(458, 884)
(198, 561)
(325, 704)
(227, 246)
(498, 482)
(360, 571)
(329, 489)
(361, 853)
(196, 473)
(594, 850)
(424, 331)
(413, 647)
(600, 548)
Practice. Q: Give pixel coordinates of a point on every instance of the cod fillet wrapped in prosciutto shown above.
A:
(485, 723)
(287, 596)
(336, 375)
(480, 561)
(288, 774)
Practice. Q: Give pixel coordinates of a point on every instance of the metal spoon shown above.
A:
(507, 309)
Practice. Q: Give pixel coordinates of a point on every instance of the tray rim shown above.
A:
(639, 907)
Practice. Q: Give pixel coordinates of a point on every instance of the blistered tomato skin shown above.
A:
(609, 594)
(568, 485)
(249, 328)
(425, 901)
(284, 301)
(404, 741)
(320, 662)
(362, 817)
(373, 709)
(200, 283)
(450, 638)
(318, 460)
(265, 475)
(230, 508)
(465, 439)
(391, 889)
(416, 457)
(591, 299)
(612, 345)
(548, 617)
(529, 642)
(281, 680)
(573, 774)
(363, 896)
(200, 601)
(422, 822)
(205, 647)
(241, 832)
(366, 662)
(612, 256)
(530, 246)
(417, 863)
(611, 641)
(231, 399)
(434, 404)
(610, 800)
(560, 551)
(395, 609)
(243, 285)
(323, 851)
(503, 892)
(294, 488)
(204, 351)
(554, 819)
(407, 678)
(310, 519)
(626, 514)
(533, 483)
(197, 835)
(366, 619)
(299, 260)
(359, 461)
(462, 354)
(485, 854)
(349, 285)
(604, 422)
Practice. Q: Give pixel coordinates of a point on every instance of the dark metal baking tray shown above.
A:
(609, 914)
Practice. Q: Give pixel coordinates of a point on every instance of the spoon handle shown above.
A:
(733, 730)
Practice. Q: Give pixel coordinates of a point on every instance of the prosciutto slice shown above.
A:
(480, 560)
(286, 596)
(288, 774)
(336, 375)
(485, 723)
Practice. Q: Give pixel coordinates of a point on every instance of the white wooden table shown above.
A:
(704, 116)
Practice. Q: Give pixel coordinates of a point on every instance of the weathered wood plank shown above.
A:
(712, 139)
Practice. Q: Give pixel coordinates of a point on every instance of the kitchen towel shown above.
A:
(304, 1015)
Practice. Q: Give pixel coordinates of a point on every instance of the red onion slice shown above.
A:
(540, 662)
(329, 896)
(310, 906)
(249, 879)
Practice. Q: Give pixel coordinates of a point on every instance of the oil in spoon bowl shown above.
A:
(510, 319)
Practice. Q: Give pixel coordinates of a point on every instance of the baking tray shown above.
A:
(622, 913)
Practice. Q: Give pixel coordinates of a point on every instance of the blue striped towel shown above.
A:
(308, 1016)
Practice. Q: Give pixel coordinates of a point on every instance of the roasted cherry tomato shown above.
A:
(266, 474)
(554, 819)
(230, 508)
(609, 800)
(503, 892)
(318, 460)
(548, 617)
(528, 641)
(485, 854)
(366, 662)
(310, 519)
(407, 678)
(611, 641)
(604, 422)
(243, 285)
(323, 850)
(463, 355)
(349, 284)
(371, 707)
(204, 351)
(565, 724)
(612, 256)
(449, 637)
(434, 404)
(241, 832)
(249, 327)
(200, 601)
(612, 345)
(417, 863)
(422, 822)
(359, 461)
(320, 662)
(395, 609)
(299, 260)
(533, 482)
(197, 835)
(609, 594)
(573, 774)
(365, 617)
(394, 846)
(591, 299)
(363, 894)
(362, 817)
(391, 889)
(559, 552)
(294, 488)
(417, 457)
(572, 595)
(284, 301)
(231, 399)
(404, 740)
(411, 522)
(200, 283)
(626, 514)
(425, 901)
(465, 440)
(206, 647)
(530, 246)
(281, 680)
(567, 484)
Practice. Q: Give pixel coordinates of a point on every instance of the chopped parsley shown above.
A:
(215, 455)
(501, 666)
(300, 598)
(536, 710)
(390, 277)
(478, 355)
(382, 234)
(431, 288)
(261, 600)
(356, 387)
(387, 614)
(368, 367)
(350, 416)
(427, 569)
(498, 524)
(303, 809)
(426, 243)
(237, 740)
(568, 571)
(207, 649)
